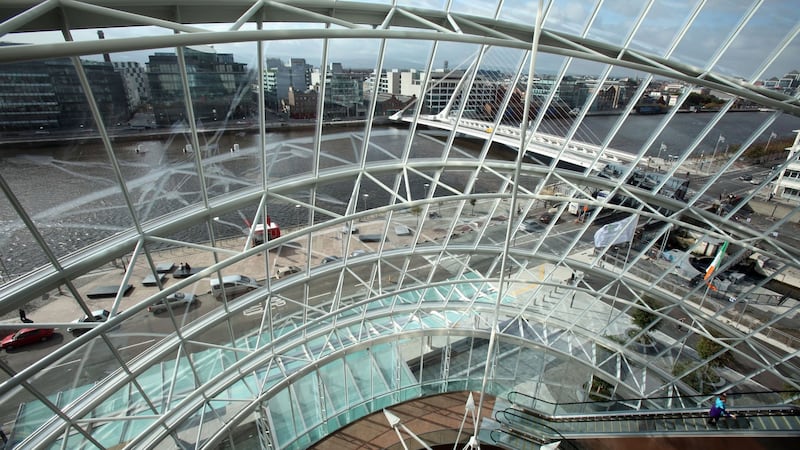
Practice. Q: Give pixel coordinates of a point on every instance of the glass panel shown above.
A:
(282, 413)
(306, 393)
(208, 418)
(778, 74)
(699, 56)
(83, 203)
(20, 252)
(75, 439)
(570, 20)
(614, 21)
(665, 16)
(30, 416)
(169, 158)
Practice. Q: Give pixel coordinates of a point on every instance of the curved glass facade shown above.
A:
(273, 219)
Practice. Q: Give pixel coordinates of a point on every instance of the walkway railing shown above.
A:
(749, 399)
(540, 420)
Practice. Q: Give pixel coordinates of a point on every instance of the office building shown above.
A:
(45, 96)
(219, 86)
(137, 86)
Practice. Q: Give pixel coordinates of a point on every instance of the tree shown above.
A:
(643, 318)
(646, 320)
(707, 348)
(702, 100)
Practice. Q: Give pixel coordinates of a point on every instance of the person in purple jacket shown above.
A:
(719, 410)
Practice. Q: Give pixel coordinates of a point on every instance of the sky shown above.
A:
(613, 24)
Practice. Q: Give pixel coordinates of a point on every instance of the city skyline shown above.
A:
(744, 55)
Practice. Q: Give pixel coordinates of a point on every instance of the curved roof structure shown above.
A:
(344, 206)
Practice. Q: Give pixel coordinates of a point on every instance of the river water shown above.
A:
(72, 193)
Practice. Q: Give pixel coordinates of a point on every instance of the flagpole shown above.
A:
(708, 286)
(660, 149)
(714, 155)
(766, 147)
(665, 239)
(624, 264)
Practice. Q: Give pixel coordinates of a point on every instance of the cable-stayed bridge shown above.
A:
(541, 144)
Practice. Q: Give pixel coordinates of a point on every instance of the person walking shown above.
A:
(23, 317)
(719, 410)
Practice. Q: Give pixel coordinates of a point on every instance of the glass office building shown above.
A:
(230, 277)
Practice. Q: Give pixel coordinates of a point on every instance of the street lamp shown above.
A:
(426, 189)
(366, 196)
(297, 213)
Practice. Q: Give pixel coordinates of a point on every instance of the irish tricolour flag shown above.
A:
(717, 261)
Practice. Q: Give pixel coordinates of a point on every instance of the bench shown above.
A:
(109, 291)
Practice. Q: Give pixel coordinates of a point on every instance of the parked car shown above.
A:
(100, 315)
(358, 252)
(171, 301)
(347, 229)
(287, 270)
(546, 218)
(746, 177)
(328, 259)
(531, 226)
(234, 285)
(26, 336)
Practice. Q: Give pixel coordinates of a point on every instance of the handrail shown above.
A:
(527, 401)
(529, 437)
(531, 426)
(658, 414)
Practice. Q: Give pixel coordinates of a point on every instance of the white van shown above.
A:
(234, 285)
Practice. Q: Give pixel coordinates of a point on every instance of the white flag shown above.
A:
(663, 146)
(773, 135)
(721, 138)
(616, 232)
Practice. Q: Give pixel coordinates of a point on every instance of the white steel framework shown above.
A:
(468, 270)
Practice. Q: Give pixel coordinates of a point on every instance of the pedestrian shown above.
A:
(182, 268)
(770, 196)
(719, 410)
(187, 266)
(23, 317)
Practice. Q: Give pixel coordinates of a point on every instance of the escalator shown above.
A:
(578, 424)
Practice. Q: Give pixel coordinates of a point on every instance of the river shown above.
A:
(72, 193)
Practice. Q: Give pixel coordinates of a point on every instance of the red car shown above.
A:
(26, 336)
